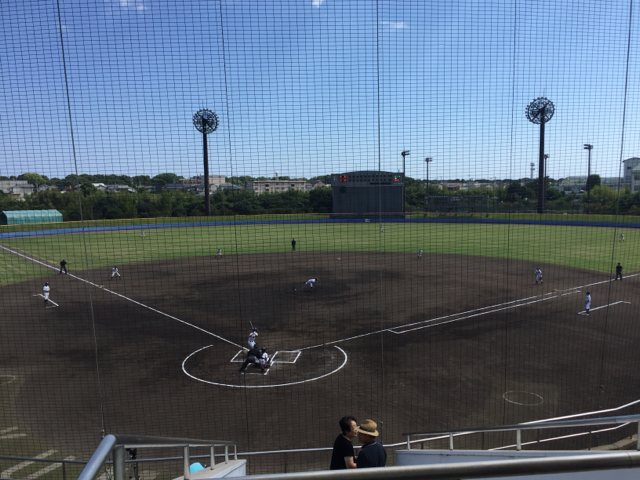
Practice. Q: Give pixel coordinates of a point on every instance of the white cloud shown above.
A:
(396, 25)
(317, 3)
(133, 4)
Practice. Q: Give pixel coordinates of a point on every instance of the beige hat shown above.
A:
(368, 427)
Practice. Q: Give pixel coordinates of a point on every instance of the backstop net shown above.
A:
(371, 186)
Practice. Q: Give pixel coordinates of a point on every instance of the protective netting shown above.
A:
(388, 150)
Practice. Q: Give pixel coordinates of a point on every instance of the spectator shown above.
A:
(373, 453)
(343, 457)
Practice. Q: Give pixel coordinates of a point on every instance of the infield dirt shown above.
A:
(417, 345)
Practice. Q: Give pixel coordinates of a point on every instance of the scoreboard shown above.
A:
(367, 192)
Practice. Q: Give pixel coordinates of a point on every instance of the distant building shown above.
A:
(265, 186)
(229, 186)
(199, 180)
(16, 188)
(572, 185)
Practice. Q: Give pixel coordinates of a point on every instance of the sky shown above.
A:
(313, 87)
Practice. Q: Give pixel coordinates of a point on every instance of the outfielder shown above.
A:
(45, 293)
(219, 254)
(622, 237)
(310, 282)
(587, 302)
(538, 273)
(114, 273)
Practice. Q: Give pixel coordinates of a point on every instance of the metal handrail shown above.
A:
(519, 427)
(503, 468)
(116, 445)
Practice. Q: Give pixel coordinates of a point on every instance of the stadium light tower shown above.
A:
(404, 154)
(540, 111)
(427, 161)
(206, 122)
(588, 147)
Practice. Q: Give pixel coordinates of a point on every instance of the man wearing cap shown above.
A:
(373, 453)
(343, 457)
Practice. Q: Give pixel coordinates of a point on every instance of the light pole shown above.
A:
(427, 161)
(588, 147)
(540, 112)
(205, 122)
(404, 154)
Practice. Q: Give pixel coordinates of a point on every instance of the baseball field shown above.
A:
(462, 338)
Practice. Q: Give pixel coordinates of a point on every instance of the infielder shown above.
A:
(310, 282)
(114, 273)
(252, 338)
(219, 254)
(45, 293)
(587, 302)
(538, 274)
(420, 254)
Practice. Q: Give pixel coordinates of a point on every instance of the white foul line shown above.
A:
(584, 312)
(123, 297)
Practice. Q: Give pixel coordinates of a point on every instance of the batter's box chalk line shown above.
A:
(283, 356)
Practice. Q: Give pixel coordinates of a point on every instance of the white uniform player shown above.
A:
(45, 293)
(219, 253)
(420, 254)
(114, 273)
(538, 274)
(252, 338)
(310, 282)
(142, 233)
(587, 302)
(622, 237)
(264, 360)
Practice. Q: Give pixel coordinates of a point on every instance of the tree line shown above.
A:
(91, 204)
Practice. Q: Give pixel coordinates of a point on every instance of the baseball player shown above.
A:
(264, 360)
(114, 273)
(293, 244)
(538, 274)
(622, 237)
(252, 338)
(45, 293)
(587, 302)
(219, 254)
(310, 282)
(142, 233)
(252, 357)
(420, 254)
(63, 267)
(619, 271)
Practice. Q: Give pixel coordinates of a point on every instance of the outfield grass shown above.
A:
(591, 248)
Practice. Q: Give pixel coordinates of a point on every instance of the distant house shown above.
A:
(265, 186)
(230, 186)
(120, 188)
(16, 188)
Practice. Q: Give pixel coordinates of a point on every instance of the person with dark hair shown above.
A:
(293, 244)
(45, 293)
(343, 456)
(63, 267)
(373, 453)
(619, 271)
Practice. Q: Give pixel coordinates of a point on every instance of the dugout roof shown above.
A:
(21, 217)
